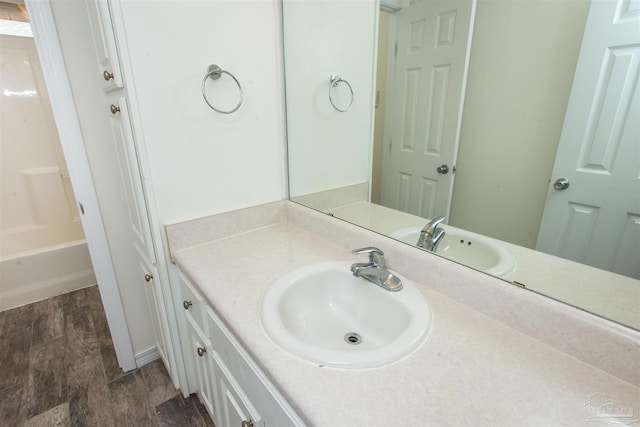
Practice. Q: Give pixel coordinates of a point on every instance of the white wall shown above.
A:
(323, 38)
(202, 162)
(522, 63)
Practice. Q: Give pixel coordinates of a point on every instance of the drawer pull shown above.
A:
(201, 351)
(186, 304)
(247, 423)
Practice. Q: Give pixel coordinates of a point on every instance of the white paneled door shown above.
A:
(596, 218)
(432, 43)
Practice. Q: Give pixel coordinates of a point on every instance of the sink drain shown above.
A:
(352, 338)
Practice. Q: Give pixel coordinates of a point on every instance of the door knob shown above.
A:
(148, 277)
(561, 184)
(201, 351)
(107, 75)
(442, 169)
(186, 304)
(114, 109)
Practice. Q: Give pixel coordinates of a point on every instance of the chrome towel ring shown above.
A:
(335, 81)
(215, 72)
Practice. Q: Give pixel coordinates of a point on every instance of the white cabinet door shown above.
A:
(199, 347)
(104, 43)
(235, 407)
(130, 175)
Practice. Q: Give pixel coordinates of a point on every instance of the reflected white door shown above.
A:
(596, 220)
(432, 43)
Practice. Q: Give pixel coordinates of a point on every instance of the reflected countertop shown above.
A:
(601, 292)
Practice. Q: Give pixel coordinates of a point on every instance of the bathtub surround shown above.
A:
(36, 275)
(42, 251)
(496, 355)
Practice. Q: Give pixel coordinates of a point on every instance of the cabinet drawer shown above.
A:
(192, 303)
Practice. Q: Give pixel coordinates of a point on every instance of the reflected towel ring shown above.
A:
(215, 72)
(335, 81)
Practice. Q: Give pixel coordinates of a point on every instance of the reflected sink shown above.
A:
(473, 250)
(324, 314)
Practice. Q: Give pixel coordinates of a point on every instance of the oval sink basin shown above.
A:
(473, 250)
(325, 315)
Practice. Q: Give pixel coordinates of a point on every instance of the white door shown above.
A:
(596, 219)
(432, 43)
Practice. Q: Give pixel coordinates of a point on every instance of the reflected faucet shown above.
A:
(375, 270)
(431, 235)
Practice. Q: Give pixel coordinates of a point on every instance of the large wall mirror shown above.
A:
(511, 125)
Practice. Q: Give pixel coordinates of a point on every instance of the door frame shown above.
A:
(62, 104)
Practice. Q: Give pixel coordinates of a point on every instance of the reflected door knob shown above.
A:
(442, 169)
(561, 184)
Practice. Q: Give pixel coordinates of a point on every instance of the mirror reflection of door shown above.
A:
(428, 52)
(596, 218)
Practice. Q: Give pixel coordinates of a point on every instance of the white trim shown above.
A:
(393, 6)
(53, 67)
(147, 356)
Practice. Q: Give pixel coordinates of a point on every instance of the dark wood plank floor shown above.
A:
(58, 368)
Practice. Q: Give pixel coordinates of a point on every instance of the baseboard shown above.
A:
(147, 356)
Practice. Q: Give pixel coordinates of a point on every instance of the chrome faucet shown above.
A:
(375, 270)
(431, 235)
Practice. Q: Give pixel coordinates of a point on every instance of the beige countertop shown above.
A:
(472, 370)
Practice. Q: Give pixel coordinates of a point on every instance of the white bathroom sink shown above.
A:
(325, 315)
(473, 250)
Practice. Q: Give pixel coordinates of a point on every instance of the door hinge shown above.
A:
(81, 208)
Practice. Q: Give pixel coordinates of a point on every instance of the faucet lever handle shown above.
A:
(431, 226)
(376, 256)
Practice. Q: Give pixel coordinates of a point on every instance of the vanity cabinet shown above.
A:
(229, 383)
